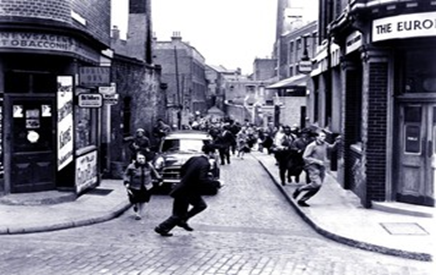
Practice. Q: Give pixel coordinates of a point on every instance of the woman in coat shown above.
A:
(139, 183)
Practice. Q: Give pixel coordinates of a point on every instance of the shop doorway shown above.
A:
(31, 133)
(417, 154)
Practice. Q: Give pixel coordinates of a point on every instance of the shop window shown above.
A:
(23, 82)
(419, 71)
(85, 121)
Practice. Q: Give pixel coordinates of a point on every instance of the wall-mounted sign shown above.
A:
(86, 171)
(111, 99)
(46, 42)
(65, 120)
(94, 76)
(305, 66)
(404, 26)
(108, 90)
(354, 42)
(88, 100)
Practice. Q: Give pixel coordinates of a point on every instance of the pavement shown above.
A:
(389, 228)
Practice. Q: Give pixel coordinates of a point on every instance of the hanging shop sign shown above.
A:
(404, 26)
(305, 66)
(353, 42)
(94, 76)
(89, 100)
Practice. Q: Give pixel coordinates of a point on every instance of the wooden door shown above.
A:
(417, 156)
(31, 143)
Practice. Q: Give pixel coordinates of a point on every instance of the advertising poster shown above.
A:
(65, 121)
(86, 171)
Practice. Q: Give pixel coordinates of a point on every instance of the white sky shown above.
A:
(231, 33)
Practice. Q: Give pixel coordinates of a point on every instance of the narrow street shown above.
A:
(249, 228)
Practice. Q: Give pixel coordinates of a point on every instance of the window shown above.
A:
(419, 71)
(23, 82)
(85, 121)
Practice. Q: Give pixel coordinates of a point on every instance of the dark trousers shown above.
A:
(180, 210)
(317, 175)
(225, 155)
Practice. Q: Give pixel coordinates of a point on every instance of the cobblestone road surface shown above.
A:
(249, 228)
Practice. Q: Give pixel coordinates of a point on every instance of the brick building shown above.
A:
(374, 82)
(184, 72)
(138, 83)
(51, 52)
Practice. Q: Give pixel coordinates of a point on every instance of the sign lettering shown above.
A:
(404, 26)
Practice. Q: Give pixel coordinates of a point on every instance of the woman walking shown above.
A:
(138, 182)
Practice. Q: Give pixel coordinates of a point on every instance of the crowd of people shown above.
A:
(294, 150)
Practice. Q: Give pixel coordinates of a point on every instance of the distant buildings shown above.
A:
(184, 71)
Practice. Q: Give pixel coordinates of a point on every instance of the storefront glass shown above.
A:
(85, 119)
(420, 71)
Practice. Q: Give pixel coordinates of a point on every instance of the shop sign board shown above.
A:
(305, 66)
(86, 171)
(94, 76)
(89, 100)
(65, 136)
(353, 42)
(111, 99)
(48, 42)
(108, 90)
(404, 26)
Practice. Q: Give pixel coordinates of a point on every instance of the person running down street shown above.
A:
(195, 175)
(314, 157)
(138, 182)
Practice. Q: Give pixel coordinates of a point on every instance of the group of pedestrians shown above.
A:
(295, 151)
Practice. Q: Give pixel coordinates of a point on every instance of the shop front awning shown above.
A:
(291, 82)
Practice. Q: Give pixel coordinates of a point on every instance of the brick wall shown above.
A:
(141, 83)
(98, 17)
(95, 12)
(376, 131)
(59, 10)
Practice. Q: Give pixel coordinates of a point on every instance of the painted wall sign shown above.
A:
(65, 121)
(86, 171)
(47, 42)
(404, 26)
(94, 76)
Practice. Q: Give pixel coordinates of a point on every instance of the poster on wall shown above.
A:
(65, 121)
(86, 171)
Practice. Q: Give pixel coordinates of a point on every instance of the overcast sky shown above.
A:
(231, 33)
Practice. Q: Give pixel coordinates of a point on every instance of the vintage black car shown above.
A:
(174, 150)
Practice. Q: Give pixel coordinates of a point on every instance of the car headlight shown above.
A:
(159, 163)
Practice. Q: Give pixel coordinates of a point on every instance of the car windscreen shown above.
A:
(182, 145)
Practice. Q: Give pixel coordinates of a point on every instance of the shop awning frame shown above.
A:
(291, 82)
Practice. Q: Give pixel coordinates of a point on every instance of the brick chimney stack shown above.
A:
(115, 33)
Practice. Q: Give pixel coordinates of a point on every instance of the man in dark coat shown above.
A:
(195, 176)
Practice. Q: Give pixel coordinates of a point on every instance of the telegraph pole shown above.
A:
(179, 104)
